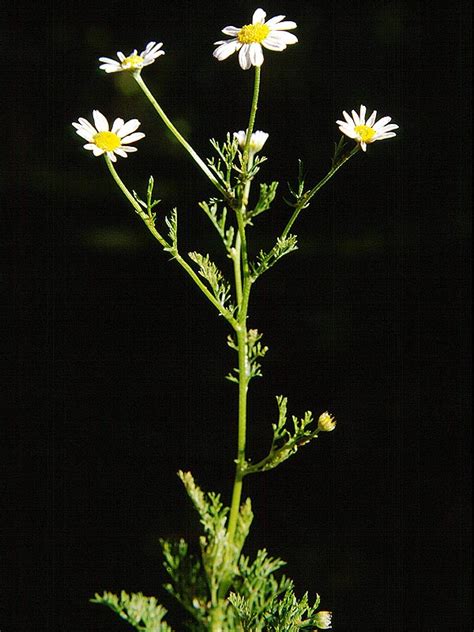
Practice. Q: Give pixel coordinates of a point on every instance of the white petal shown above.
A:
(128, 128)
(90, 146)
(85, 134)
(384, 136)
(383, 121)
(111, 155)
(86, 125)
(240, 136)
(108, 68)
(272, 21)
(283, 26)
(152, 48)
(259, 16)
(133, 137)
(226, 49)
(97, 151)
(363, 146)
(118, 123)
(231, 30)
(355, 117)
(388, 128)
(348, 119)
(288, 38)
(256, 54)
(120, 55)
(371, 119)
(273, 42)
(347, 131)
(244, 57)
(107, 60)
(128, 149)
(120, 152)
(363, 112)
(101, 123)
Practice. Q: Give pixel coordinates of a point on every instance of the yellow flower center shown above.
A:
(108, 141)
(134, 61)
(365, 133)
(253, 33)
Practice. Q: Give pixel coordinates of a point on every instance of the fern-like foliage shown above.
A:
(143, 613)
(219, 221)
(255, 351)
(150, 203)
(264, 603)
(172, 223)
(267, 195)
(224, 164)
(286, 439)
(188, 582)
(265, 260)
(211, 273)
(218, 564)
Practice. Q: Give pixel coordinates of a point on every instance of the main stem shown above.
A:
(243, 285)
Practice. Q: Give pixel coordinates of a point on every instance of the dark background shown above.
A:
(115, 364)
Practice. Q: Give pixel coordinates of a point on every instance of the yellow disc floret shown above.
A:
(364, 132)
(134, 61)
(253, 33)
(108, 141)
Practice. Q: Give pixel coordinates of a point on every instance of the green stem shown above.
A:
(236, 255)
(149, 221)
(194, 155)
(243, 285)
(253, 112)
(305, 199)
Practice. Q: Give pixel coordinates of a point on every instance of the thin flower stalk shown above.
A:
(194, 155)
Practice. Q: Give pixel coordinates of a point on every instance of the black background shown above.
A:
(115, 364)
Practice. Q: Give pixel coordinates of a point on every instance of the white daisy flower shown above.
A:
(366, 131)
(249, 39)
(257, 140)
(134, 61)
(102, 140)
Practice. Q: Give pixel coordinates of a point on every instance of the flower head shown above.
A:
(326, 422)
(366, 131)
(103, 140)
(134, 61)
(323, 619)
(250, 38)
(257, 140)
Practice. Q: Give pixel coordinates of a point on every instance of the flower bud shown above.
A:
(326, 422)
(323, 619)
(257, 140)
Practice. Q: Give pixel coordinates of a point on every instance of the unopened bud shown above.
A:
(326, 422)
(257, 140)
(323, 619)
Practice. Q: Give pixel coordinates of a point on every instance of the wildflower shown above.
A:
(257, 140)
(134, 61)
(326, 422)
(364, 131)
(101, 140)
(323, 619)
(249, 39)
